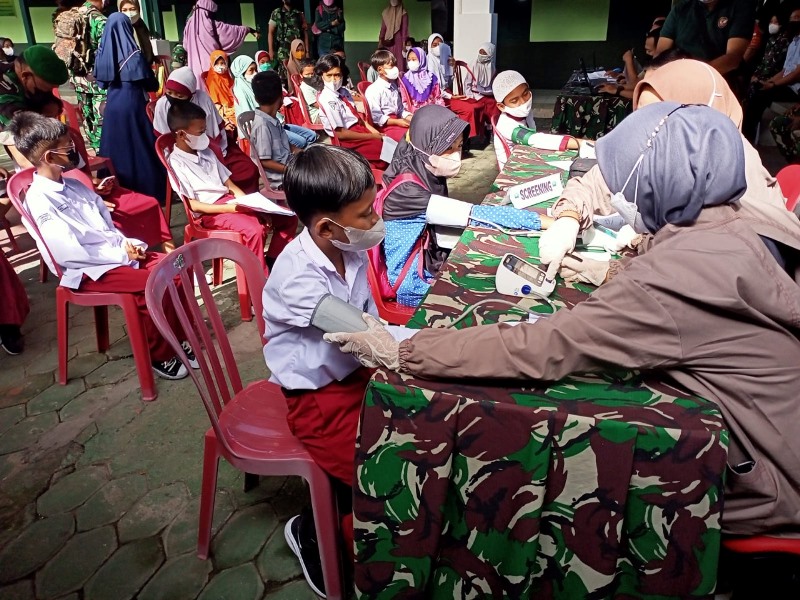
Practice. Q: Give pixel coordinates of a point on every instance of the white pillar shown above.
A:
(474, 23)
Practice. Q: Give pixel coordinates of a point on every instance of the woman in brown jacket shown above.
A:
(707, 306)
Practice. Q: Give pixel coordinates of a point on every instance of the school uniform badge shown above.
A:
(722, 23)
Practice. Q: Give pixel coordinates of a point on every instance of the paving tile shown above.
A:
(243, 536)
(238, 583)
(83, 364)
(277, 563)
(16, 391)
(22, 590)
(181, 536)
(298, 590)
(47, 361)
(95, 401)
(153, 512)
(72, 491)
(34, 547)
(180, 578)
(121, 349)
(110, 502)
(75, 563)
(25, 433)
(268, 487)
(11, 416)
(56, 396)
(126, 571)
(291, 499)
(110, 373)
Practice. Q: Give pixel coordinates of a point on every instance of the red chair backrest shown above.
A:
(297, 80)
(362, 89)
(164, 146)
(789, 180)
(71, 113)
(378, 175)
(363, 67)
(151, 110)
(205, 332)
(458, 76)
(500, 139)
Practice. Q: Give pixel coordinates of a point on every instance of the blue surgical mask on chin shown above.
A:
(629, 211)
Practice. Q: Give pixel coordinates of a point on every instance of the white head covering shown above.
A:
(484, 69)
(504, 83)
(440, 65)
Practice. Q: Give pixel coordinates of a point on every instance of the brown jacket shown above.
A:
(707, 305)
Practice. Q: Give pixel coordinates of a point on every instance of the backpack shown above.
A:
(377, 259)
(72, 44)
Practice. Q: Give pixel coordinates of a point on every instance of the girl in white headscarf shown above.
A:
(478, 83)
(439, 55)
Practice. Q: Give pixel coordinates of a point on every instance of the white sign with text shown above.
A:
(536, 191)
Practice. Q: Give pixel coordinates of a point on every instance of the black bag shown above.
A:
(581, 166)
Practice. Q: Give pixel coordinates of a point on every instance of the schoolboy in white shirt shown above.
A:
(386, 106)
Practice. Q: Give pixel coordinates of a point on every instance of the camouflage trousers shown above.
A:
(92, 104)
(787, 136)
(588, 117)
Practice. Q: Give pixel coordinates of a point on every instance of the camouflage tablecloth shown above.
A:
(597, 486)
(588, 117)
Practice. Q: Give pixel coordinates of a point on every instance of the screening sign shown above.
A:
(536, 191)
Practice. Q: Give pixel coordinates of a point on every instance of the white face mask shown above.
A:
(413, 66)
(8, 51)
(447, 165)
(334, 85)
(392, 73)
(484, 58)
(133, 15)
(437, 51)
(774, 28)
(522, 111)
(249, 78)
(360, 239)
(629, 211)
(197, 142)
(220, 69)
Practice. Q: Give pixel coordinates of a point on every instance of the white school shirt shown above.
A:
(792, 62)
(384, 100)
(200, 176)
(333, 112)
(310, 96)
(295, 353)
(506, 126)
(77, 228)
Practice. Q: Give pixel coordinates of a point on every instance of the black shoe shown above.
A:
(190, 355)
(308, 555)
(11, 339)
(170, 369)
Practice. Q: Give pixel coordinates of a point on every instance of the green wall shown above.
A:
(554, 20)
(363, 19)
(12, 26)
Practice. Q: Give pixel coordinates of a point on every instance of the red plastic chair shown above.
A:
(362, 89)
(100, 301)
(363, 68)
(789, 180)
(151, 114)
(248, 424)
(458, 76)
(498, 139)
(404, 94)
(195, 231)
(750, 561)
(245, 122)
(301, 100)
(151, 110)
(74, 121)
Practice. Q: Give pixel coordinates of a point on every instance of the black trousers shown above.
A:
(761, 101)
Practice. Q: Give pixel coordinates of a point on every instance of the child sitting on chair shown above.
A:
(267, 136)
(332, 190)
(207, 184)
(386, 106)
(516, 125)
(75, 225)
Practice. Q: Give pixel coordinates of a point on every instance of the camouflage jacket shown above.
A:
(289, 25)
(97, 25)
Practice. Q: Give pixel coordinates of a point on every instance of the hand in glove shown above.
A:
(373, 348)
(584, 270)
(556, 242)
(626, 238)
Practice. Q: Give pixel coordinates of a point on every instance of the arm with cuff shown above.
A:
(449, 212)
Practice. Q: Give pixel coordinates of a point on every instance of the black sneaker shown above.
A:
(308, 557)
(11, 339)
(190, 355)
(170, 369)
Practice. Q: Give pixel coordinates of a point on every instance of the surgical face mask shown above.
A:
(361, 239)
(522, 111)
(8, 51)
(484, 58)
(133, 15)
(447, 165)
(774, 28)
(334, 85)
(197, 142)
(220, 69)
(394, 2)
(413, 66)
(249, 78)
(72, 156)
(392, 73)
(265, 66)
(629, 211)
(437, 51)
(327, 2)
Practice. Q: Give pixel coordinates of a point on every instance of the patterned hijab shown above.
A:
(420, 84)
(220, 86)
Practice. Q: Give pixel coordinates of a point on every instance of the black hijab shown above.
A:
(692, 157)
(433, 130)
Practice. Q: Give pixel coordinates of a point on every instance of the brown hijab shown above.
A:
(393, 17)
(690, 81)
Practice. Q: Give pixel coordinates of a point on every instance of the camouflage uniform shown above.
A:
(786, 131)
(91, 99)
(589, 117)
(599, 485)
(289, 25)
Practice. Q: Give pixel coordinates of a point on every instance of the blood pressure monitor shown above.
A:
(516, 277)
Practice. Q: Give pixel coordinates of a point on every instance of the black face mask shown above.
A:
(310, 81)
(177, 101)
(73, 159)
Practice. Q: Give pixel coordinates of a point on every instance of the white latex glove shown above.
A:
(626, 238)
(373, 348)
(584, 270)
(556, 242)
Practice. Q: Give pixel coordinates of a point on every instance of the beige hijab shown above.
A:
(762, 206)
(393, 17)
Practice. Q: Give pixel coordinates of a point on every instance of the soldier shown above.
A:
(285, 25)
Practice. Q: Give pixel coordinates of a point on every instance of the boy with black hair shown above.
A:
(268, 137)
(386, 106)
(207, 183)
(332, 190)
(75, 225)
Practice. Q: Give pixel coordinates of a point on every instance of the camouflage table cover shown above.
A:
(597, 486)
(588, 117)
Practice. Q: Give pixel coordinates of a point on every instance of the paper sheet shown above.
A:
(261, 203)
(587, 150)
(564, 165)
(388, 148)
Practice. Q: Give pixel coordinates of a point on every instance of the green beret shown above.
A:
(45, 64)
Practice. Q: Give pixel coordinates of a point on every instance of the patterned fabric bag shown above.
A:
(71, 29)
